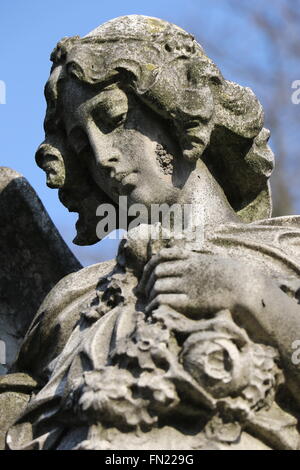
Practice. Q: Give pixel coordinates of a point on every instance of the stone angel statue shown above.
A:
(180, 342)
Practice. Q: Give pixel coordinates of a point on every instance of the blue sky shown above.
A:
(29, 31)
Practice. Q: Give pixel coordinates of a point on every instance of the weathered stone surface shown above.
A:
(33, 258)
(15, 392)
(185, 341)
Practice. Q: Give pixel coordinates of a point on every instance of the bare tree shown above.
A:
(259, 46)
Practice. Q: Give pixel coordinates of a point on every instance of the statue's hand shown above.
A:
(196, 284)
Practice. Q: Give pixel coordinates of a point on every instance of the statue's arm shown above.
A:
(200, 285)
(271, 316)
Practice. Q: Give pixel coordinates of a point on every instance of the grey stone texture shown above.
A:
(33, 258)
(180, 342)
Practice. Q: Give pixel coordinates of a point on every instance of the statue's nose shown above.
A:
(104, 151)
(107, 157)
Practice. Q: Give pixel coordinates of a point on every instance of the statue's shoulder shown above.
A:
(58, 315)
(74, 286)
(276, 230)
(288, 221)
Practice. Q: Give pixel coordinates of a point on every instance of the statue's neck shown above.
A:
(209, 204)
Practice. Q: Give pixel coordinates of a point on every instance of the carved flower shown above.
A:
(114, 397)
(241, 375)
(215, 361)
(145, 347)
(107, 397)
(161, 390)
(228, 366)
(265, 377)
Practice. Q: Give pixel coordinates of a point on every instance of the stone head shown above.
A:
(132, 107)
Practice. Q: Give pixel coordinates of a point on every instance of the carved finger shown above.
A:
(165, 269)
(165, 285)
(174, 253)
(176, 301)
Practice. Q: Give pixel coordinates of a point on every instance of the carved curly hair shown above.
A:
(168, 70)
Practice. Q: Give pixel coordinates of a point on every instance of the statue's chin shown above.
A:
(85, 233)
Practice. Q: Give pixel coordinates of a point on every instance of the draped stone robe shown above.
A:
(69, 337)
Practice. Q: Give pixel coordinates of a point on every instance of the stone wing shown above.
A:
(33, 258)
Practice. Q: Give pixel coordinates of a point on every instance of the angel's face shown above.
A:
(118, 139)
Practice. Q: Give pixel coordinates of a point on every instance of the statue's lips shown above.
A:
(123, 183)
(194, 140)
(125, 179)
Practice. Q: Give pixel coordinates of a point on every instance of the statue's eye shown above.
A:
(111, 109)
(108, 118)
